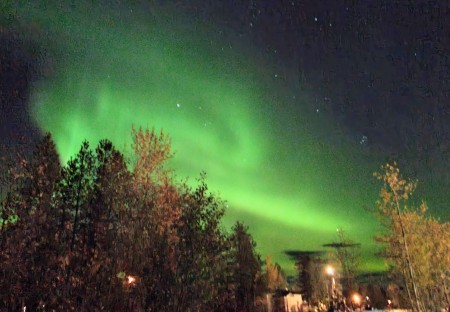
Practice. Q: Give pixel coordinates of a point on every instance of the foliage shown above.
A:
(96, 235)
(275, 278)
(26, 249)
(246, 271)
(312, 278)
(417, 246)
(347, 255)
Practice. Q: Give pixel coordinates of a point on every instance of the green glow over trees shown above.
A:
(108, 68)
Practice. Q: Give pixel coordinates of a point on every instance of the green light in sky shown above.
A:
(216, 99)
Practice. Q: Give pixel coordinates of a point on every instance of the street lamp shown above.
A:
(357, 300)
(330, 271)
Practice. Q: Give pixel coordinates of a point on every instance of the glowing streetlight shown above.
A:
(330, 270)
(331, 291)
(356, 299)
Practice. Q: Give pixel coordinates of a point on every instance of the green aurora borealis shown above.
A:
(289, 174)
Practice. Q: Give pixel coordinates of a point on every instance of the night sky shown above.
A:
(289, 106)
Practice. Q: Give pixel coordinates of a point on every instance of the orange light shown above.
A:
(356, 298)
(131, 279)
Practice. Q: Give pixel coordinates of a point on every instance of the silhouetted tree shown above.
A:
(347, 255)
(28, 239)
(247, 267)
(274, 276)
(97, 235)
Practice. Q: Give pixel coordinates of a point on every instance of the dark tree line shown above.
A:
(105, 234)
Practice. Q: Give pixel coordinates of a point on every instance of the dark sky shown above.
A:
(383, 65)
(380, 68)
(379, 71)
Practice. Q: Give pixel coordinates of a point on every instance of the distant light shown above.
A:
(131, 279)
(356, 298)
(364, 140)
(330, 270)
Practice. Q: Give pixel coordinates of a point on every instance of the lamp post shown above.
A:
(356, 302)
(331, 289)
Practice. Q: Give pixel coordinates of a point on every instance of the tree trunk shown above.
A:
(419, 305)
